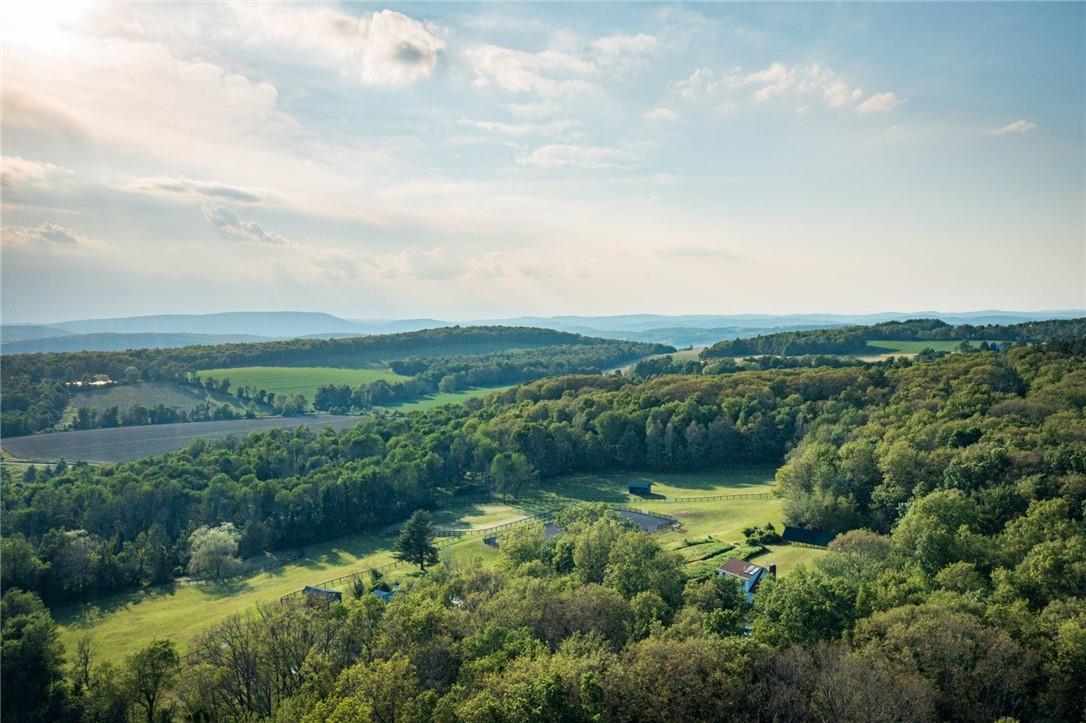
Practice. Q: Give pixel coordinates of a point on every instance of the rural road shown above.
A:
(123, 444)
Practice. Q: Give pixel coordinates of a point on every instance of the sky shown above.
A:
(476, 161)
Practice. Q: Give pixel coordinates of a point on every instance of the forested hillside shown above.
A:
(854, 339)
(963, 600)
(37, 388)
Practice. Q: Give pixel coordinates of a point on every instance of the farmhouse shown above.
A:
(747, 573)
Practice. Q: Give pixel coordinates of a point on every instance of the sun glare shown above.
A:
(40, 25)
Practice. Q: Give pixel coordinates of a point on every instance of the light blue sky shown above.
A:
(464, 161)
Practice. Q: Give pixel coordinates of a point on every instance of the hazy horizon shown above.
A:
(462, 161)
(915, 313)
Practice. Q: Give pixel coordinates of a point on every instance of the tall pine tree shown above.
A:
(416, 541)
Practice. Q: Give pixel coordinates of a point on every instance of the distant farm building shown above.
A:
(321, 594)
(749, 574)
(641, 489)
(805, 536)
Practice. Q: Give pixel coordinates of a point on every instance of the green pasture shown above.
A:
(121, 624)
(883, 349)
(299, 380)
(614, 486)
(442, 398)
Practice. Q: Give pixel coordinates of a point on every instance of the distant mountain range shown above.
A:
(176, 330)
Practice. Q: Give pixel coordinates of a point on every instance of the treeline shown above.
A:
(862, 442)
(35, 391)
(668, 364)
(854, 339)
(453, 374)
(600, 623)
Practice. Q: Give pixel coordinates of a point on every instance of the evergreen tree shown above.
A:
(416, 541)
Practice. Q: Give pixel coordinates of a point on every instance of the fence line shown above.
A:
(711, 498)
(445, 540)
(448, 537)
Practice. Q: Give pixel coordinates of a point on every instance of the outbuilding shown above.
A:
(641, 489)
(314, 593)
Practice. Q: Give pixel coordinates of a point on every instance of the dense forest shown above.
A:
(37, 388)
(854, 339)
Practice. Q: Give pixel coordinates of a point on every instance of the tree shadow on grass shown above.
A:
(587, 487)
(735, 479)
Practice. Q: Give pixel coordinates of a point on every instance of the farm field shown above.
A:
(121, 624)
(122, 444)
(882, 349)
(299, 380)
(148, 394)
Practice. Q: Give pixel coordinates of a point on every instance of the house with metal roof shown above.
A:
(749, 574)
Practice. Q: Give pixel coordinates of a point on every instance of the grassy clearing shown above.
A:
(882, 349)
(124, 623)
(299, 380)
(443, 398)
(148, 394)
(478, 516)
(614, 487)
(121, 624)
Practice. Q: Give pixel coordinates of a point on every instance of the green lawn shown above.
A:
(299, 380)
(487, 514)
(121, 624)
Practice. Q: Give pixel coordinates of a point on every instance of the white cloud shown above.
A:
(49, 234)
(661, 114)
(383, 48)
(520, 130)
(569, 67)
(573, 156)
(700, 83)
(21, 174)
(227, 221)
(1018, 126)
(778, 80)
(394, 49)
(623, 54)
(879, 103)
(436, 264)
(157, 102)
(547, 73)
(182, 187)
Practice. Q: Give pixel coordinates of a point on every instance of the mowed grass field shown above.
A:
(306, 381)
(121, 624)
(881, 349)
(299, 380)
(124, 623)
